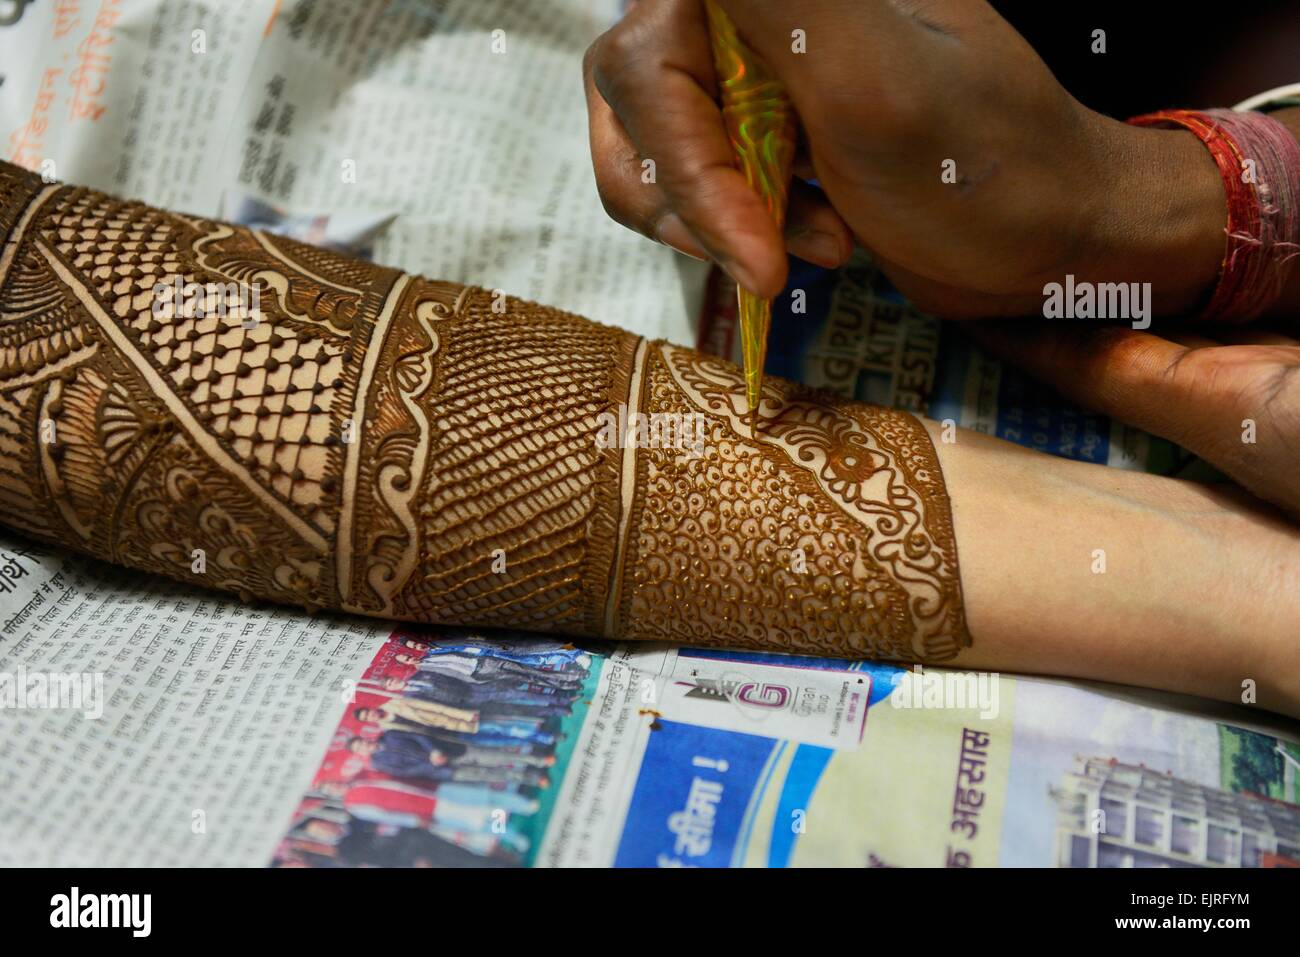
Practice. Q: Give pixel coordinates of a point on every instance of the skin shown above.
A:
(1027, 527)
(1046, 187)
(1201, 589)
(887, 92)
(1198, 388)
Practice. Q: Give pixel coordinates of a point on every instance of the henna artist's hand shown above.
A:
(1231, 395)
(698, 203)
(893, 96)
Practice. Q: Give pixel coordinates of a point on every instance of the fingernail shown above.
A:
(673, 232)
(822, 249)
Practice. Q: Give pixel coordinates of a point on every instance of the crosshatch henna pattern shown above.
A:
(351, 437)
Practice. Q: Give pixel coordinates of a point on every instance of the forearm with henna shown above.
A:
(364, 440)
(359, 439)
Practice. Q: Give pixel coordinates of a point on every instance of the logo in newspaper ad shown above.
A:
(827, 708)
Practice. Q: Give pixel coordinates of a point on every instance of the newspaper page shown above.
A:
(546, 754)
(142, 722)
(724, 760)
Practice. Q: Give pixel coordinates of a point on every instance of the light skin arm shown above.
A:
(1200, 590)
(386, 445)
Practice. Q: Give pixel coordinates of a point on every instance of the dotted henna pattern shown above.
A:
(830, 535)
(351, 437)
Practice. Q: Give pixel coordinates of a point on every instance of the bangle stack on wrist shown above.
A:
(1259, 160)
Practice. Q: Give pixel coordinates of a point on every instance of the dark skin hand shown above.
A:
(1231, 395)
(888, 94)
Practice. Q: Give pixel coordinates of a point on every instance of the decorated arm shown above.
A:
(246, 412)
(250, 413)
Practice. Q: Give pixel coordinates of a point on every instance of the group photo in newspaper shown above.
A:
(308, 561)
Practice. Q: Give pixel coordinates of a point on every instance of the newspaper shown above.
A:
(146, 723)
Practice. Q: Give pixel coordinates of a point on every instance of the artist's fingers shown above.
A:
(814, 231)
(627, 195)
(1205, 399)
(802, 164)
(655, 71)
(847, 58)
(1128, 375)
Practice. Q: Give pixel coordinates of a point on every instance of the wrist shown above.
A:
(1158, 215)
(1260, 604)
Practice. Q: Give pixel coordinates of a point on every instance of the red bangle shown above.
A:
(1259, 161)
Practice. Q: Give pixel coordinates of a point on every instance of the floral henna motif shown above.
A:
(355, 438)
(831, 534)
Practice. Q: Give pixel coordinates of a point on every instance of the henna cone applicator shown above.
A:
(761, 125)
